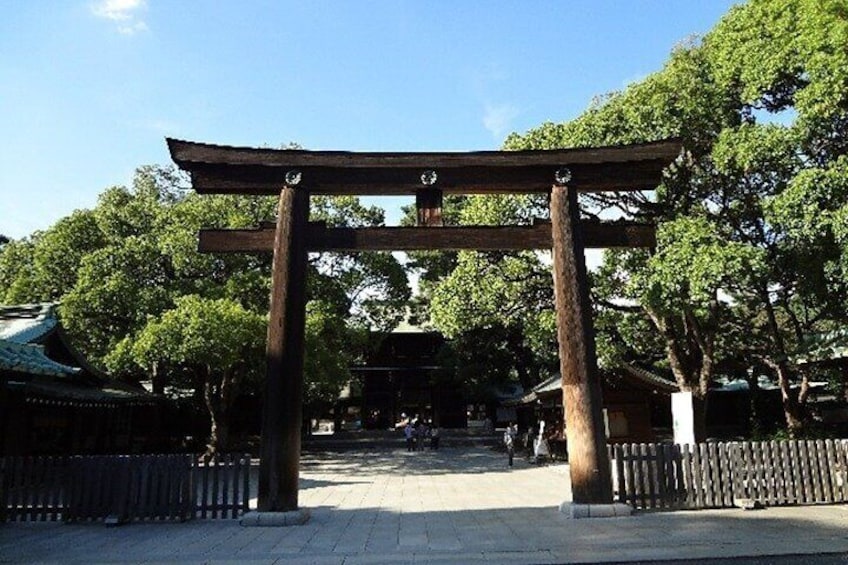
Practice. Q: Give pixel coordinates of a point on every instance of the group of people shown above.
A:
(417, 432)
(541, 449)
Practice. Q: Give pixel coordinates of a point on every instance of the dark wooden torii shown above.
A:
(297, 174)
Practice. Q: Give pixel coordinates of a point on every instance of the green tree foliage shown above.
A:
(17, 276)
(496, 307)
(331, 348)
(44, 267)
(120, 286)
(750, 256)
(128, 273)
(219, 340)
(372, 286)
(433, 265)
(506, 297)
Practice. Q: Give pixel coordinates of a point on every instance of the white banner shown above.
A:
(684, 417)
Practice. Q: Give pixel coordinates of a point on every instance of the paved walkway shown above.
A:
(458, 505)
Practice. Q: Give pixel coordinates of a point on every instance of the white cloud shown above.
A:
(131, 29)
(124, 13)
(483, 78)
(498, 117)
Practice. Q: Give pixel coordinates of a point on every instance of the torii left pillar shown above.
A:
(282, 409)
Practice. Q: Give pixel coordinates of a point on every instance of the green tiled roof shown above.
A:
(27, 323)
(554, 384)
(821, 347)
(69, 393)
(23, 330)
(25, 358)
(651, 379)
(545, 387)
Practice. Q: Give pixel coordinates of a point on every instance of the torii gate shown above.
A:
(297, 174)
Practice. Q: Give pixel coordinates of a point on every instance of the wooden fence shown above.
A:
(722, 475)
(123, 488)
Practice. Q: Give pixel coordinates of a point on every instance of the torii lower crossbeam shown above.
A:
(319, 237)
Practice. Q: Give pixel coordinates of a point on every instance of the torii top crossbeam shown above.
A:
(219, 169)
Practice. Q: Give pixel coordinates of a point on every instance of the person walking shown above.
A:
(434, 437)
(509, 441)
(422, 435)
(409, 433)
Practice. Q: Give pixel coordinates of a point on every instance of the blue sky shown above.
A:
(90, 89)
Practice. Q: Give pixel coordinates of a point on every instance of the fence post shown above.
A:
(216, 502)
(712, 482)
(246, 484)
(237, 463)
(4, 489)
(833, 470)
(193, 484)
(788, 472)
(204, 492)
(842, 457)
(810, 466)
(120, 495)
(824, 471)
(54, 500)
(185, 488)
(662, 490)
(773, 476)
(797, 474)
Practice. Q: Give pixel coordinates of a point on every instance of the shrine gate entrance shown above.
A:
(296, 174)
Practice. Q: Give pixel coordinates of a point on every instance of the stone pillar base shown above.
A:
(267, 519)
(612, 510)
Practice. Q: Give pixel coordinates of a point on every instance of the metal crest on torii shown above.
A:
(297, 174)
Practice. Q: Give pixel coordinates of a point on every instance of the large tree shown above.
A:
(219, 341)
(496, 307)
(761, 105)
(128, 273)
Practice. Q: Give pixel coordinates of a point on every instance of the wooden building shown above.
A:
(635, 403)
(52, 401)
(403, 377)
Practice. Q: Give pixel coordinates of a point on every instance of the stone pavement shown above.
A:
(457, 505)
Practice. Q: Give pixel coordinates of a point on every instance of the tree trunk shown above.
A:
(524, 358)
(754, 427)
(844, 384)
(219, 435)
(690, 376)
(199, 393)
(306, 422)
(219, 428)
(337, 417)
(791, 407)
(157, 381)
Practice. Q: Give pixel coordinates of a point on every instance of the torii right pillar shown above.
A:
(581, 388)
